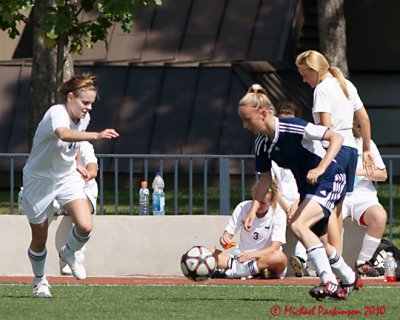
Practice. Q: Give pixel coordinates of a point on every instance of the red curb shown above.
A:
(143, 280)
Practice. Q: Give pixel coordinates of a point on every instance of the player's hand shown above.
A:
(224, 241)
(108, 134)
(248, 222)
(314, 174)
(290, 212)
(84, 173)
(244, 256)
(368, 163)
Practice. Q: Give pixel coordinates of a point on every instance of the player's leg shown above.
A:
(272, 265)
(36, 191)
(80, 212)
(222, 259)
(374, 218)
(309, 214)
(37, 254)
(72, 197)
(334, 233)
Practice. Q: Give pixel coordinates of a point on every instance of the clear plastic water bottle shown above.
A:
(144, 195)
(239, 267)
(20, 197)
(158, 195)
(390, 267)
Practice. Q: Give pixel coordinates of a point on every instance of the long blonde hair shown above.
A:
(316, 61)
(273, 190)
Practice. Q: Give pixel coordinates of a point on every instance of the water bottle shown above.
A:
(144, 195)
(240, 267)
(20, 197)
(390, 267)
(158, 196)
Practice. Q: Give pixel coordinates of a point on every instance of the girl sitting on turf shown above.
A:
(260, 249)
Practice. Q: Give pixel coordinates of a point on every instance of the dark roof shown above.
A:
(202, 31)
(159, 109)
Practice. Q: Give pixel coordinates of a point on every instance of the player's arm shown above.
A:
(377, 175)
(365, 126)
(259, 195)
(325, 119)
(335, 143)
(70, 135)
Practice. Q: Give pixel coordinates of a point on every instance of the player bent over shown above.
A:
(296, 144)
(260, 250)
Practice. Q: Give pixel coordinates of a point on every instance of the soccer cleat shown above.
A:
(74, 262)
(218, 274)
(64, 267)
(367, 269)
(328, 290)
(42, 290)
(297, 266)
(267, 274)
(349, 288)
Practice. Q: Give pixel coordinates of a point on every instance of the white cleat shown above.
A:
(64, 267)
(42, 290)
(75, 264)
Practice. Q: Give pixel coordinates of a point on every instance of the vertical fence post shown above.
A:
(224, 187)
(391, 200)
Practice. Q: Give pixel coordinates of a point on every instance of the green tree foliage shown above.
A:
(60, 28)
(83, 22)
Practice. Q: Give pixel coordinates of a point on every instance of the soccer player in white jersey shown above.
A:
(335, 102)
(89, 162)
(296, 144)
(260, 249)
(363, 206)
(49, 175)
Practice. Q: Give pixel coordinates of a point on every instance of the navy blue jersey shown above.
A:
(296, 146)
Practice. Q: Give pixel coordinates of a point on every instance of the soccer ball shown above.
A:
(198, 263)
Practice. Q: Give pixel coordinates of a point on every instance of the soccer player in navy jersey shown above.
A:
(296, 144)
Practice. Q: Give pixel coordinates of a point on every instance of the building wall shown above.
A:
(126, 245)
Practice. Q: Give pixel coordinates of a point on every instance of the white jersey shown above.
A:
(50, 157)
(329, 97)
(88, 156)
(286, 183)
(363, 184)
(272, 227)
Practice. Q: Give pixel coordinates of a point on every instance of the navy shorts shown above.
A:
(347, 158)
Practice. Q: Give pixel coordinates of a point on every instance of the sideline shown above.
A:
(143, 280)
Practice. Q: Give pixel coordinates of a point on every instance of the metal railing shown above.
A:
(223, 166)
(113, 162)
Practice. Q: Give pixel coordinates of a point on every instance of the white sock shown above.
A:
(300, 251)
(75, 242)
(369, 246)
(38, 262)
(317, 256)
(341, 268)
(253, 268)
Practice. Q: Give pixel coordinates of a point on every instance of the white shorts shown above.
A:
(356, 204)
(39, 195)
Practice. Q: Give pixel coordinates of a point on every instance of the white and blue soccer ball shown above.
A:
(198, 263)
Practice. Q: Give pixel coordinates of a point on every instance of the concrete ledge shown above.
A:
(132, 245)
